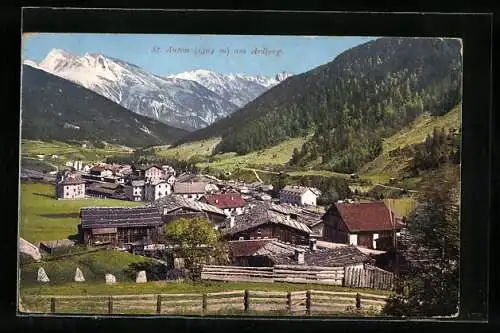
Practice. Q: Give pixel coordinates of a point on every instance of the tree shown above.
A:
(432, 251)
(197, 242)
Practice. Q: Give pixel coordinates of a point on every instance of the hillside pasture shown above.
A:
(43, 218)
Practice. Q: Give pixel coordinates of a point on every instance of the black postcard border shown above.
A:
(475, 30)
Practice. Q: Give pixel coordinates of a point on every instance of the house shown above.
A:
(70, 187)
(298, 195)
(135, 191)
(270, 252)
(360, 223)
(107, 190)
(156, 190)
(191, 190)
(117, 226)
(230, 203)
(150, 173)
(101, 171)
(174, 206)
(260, 221)
(311, 218)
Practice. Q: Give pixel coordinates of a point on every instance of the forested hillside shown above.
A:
(365, 94)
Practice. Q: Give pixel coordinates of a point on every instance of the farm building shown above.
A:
(155, 190)
(70, 187)
(119, 225)
(270, 252)
(107, 190)
(191, 190)
(175, 206)
(171, 180)
(360, 223)
(298, 195)
(260, 221)
(230, 203)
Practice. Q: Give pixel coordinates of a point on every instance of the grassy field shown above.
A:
(94, 265)
(42, 217)
(66, 152)
(384, 167)
(188, 150)
(174, 287)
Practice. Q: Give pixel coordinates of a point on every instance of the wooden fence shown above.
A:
(352, 277)
(369, 277)
(308, 302)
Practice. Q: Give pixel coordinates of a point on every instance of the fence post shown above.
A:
(289, 301)
(308, 303)
(110, 305)
(158, 304)
(53, 305)
(246, 301)
(358, 301)
(204, 304)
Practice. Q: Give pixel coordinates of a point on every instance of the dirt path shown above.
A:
(395, 188)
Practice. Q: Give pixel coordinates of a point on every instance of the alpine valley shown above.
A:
(189, 100)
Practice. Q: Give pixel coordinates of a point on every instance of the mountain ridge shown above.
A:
(174, 100)
(57, 109)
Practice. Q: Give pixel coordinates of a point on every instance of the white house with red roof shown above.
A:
(231, 203)
(360, 224)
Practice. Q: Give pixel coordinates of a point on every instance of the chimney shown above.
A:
(299, 256)
(312, 244)
(231, 222)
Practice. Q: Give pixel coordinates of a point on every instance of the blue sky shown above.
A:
(294, 54)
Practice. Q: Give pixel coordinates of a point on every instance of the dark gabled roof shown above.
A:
(226, 200)
(57, 243)
(113, 217)
(72, 180)
(370, 216)
(284, 254)
(245, 248)
(294, 190)
(261, 214)
(190, 188)
(173, 202)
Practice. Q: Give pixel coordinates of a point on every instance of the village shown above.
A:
(263, 227)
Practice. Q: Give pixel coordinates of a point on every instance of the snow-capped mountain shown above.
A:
(239, 89)
(184, 100)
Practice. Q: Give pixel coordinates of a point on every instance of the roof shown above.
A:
(226, 200)
(173, 202)
(137, 182)
(57, 243)
(244, 248)
(190, 188)
(294, 190)
(369, 216)
(113, 217)
(99, 168)
(261, 214)
(284, 254)
(72, 180)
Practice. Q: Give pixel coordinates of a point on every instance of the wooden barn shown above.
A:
(117, 226)
(360, 224)
(260, 221)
